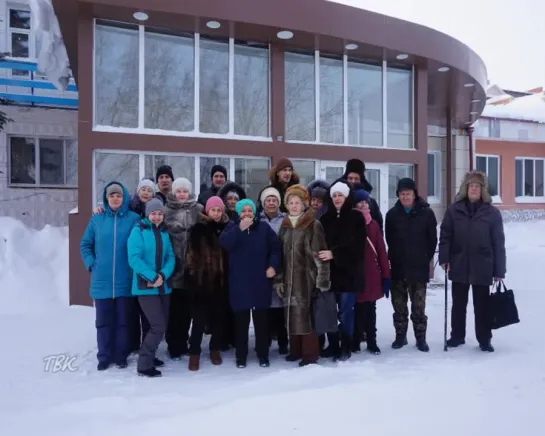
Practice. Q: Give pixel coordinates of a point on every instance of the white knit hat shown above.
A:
(146, 182)
(270, 192)
(341, 188)
(182, 182)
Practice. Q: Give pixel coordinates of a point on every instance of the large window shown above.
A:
(396, 172)
(434, 176)
(529, 174)
(306, 170)
(22, 41)
(205, 168)
(43, 162)
(252, 175)
(490, 165)
(335, 100)
(119, 167)
(149, 80)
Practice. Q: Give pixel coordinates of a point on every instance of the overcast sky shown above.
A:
(509, 35)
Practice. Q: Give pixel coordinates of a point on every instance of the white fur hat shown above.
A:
(269, 192)
(340, 187)
(146, 182)
(182, 182)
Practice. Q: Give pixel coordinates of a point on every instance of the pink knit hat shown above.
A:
(214, 202)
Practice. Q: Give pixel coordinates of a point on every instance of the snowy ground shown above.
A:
(463, 391)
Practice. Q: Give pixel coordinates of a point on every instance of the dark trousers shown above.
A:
(260, 318)
(228, 339)
(347, 302)
(156, 309)
(277, 323)
(209, 317)
(112, 329)
(401, 290)
(179, 322)
(138, 325)
(366, 322)
(481, 301)
(305, 347)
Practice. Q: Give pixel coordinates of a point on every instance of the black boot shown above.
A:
(455, 342)
(150, 373)
(346, 346)
(283, 349)
(400, 341)
(333, 349)
(373, 348)
(487, 347)
(422, 345)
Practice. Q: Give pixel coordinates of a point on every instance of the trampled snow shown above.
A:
(405, 392)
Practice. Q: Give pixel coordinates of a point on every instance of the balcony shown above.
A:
(22, 84)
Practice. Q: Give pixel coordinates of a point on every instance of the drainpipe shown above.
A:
(470, 131)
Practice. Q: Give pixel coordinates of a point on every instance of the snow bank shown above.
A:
(33, 267)
(527, 108)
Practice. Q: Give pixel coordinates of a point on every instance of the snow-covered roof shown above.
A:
(527, 108)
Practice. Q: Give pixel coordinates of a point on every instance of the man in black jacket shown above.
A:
(218, 175)
(411, 235)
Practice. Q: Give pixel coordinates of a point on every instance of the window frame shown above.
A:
(437, 170)
(526, 199)
(37, 141)
(495, 198)
(195, 133)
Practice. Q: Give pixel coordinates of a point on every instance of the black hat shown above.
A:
(355, 166)
(406, 184)
(164, 169)
(218, 169)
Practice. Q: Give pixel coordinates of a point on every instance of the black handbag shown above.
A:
(503, 309)
(324, 312)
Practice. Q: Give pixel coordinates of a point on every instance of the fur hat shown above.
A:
(214, 201)
(164, 169)
(146, 182)
(240, 205)
(474, 177)
(406, 184)
(269, 192)
(355, 166)
(299, 191)
(114, 188)
(340, 187)
(283, 163)
(182, 182)
(153, 205)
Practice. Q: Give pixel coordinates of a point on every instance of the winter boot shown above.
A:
(158, 363)
(103, 366)
(194, 361)
(455, 342)
(241, 363)
(487, 347)
(400, 341)
(333, 349)
(215, 357)
(346, 346)
(122, 364)
(149, 373)
(373, 348)
(283, 349)
(422, 345)
(264, 363)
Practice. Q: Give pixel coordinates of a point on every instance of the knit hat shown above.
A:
(164, 169)
(232, 194)
(340, 187)
(283, 163)
(299, 191)
(246, 202)
(269, 192)
(319, 192)
(218, 169)
(361, 195)
(146, 182)
(182, 182)
(406, 184)
(214, 201)
(153, 205)
(355, 166)
(114, 188)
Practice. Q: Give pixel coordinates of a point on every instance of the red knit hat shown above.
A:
(214, 201)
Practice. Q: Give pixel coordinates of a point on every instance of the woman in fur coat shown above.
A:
(346, 237)
(206, 278)
(182, 212)
(302, 238)
(377, 277)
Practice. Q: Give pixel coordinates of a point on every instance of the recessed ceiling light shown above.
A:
(285, 34)
(140, 16)
(402, 56)
(443, 69)
(468, 123)
(351, 46)
(474, 113)
(213, 25)
(469, 85)
(475, 101)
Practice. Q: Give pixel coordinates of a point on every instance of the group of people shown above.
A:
(306, 264)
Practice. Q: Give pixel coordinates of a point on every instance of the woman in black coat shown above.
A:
(346, 237)
(472, 250)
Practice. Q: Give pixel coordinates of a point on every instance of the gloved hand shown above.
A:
(386, 287)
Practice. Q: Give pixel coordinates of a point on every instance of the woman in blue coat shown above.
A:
(254, 257)
(103, 248)
(152, 259)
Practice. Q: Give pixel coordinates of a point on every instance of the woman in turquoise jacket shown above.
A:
(103, 248)
(152, 259)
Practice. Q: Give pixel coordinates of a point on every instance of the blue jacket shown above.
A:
(150, 254)
(250, 252)
(103, 248)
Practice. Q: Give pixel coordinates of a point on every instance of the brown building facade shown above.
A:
(245, 82)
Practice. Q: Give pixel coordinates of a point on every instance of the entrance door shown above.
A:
(376, 175)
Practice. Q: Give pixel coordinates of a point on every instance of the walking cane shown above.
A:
(446, 303)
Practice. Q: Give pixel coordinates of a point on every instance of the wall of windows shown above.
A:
(154, 81)
(510, 130)
(529, 178)
(490, 165)
(128, 167)
(339, 100)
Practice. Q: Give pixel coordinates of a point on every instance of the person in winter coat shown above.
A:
(254, 257)
(346, 237)
(164, 178)
(182, 212)
(318, 191)
(411, 235)
(206, 272)
(302, 237)
(145, 191)
(103, 249)
(218, 175)
(152, 260)
(231, 193)
(269, 203)
(282, 176)
(472, 251)
(377, 277)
